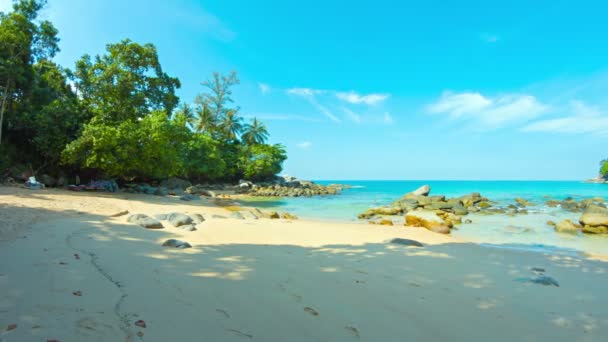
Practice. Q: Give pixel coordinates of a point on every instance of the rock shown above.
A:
(468, 221)
(188, 197)
(389, 211)
(48, 180)
(289, 216)
(567, 226)
(237, 215)
(188, 227)
(175, 183)
(274, 215)
(406, 242)
(249, 215)
(595, 229)
(385, 222)
(176, 244)
(551, 223)
(197, 218)
(552, 203)
(121, 213)
(426, 220)
(594, 216)
(215, 216)
(178, 219)
(524, 203)
(544, 280)
(422, 191)
(145, 221)
(161, 191)
(471, 199)
(460, 210)
(483, 205)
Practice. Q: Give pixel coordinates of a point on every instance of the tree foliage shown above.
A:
(116, 114)
(604, 168)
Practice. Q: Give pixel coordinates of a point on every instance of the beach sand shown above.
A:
(70, 272)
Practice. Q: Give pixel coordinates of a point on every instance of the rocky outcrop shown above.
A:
(287, 186)
(175, 183)
(594, 220)
(176, 244)
(570, 204)
(523, 202)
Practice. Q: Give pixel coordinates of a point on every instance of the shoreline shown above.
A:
(73, 273)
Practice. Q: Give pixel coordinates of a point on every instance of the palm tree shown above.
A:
(231, 124)
(186, 111)
(255, 132)
(206, 121)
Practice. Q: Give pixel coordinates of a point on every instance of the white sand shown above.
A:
(272, 280)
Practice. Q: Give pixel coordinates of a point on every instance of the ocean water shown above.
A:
(525, 231)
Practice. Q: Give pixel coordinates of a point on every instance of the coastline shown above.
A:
(272, 280)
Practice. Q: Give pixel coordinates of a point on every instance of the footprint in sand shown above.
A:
(311, 311)
(223, 312)
(354, 331)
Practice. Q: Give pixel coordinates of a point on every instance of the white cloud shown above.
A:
(582, 119)
(487, 112)
(304, 91)
(352, 115)
(309, 94)
(388, 118)
(355, 98)
(305, 145)
(264, 88)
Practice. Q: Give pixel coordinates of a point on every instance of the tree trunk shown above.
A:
(2, 108)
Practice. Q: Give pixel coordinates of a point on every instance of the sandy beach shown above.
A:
(71, 272)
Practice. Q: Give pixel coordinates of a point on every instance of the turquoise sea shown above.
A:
(526, 231)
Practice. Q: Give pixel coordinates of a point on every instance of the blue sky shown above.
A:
(386, 89)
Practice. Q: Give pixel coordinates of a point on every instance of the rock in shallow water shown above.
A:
(145, 221)
(176, 244)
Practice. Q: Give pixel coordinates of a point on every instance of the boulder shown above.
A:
(178, 219)
(428, 220)
(567, 226)
(523, 202)
(385, 222)
(389, 211)
(551, 223)
(175, 183)
(248, 215)
(237, 215)
(274, 215)
(197, 218)
(161, 191)
(552, 203)
(422, 191)
(595, 229)
(594, 216)
(145, 221)
(483, 205)
(188, 197)
(289, 216)
(188, 227)
(406, 242)
(176, 244)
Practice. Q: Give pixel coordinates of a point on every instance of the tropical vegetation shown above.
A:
(117, 114)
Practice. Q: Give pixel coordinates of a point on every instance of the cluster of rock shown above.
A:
(436, 213)
(594, 220)
(572, 205)
(287, 186)
(599, 179)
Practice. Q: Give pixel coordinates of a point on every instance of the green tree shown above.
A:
(152, 148)
(604, 168)
(127, 83)
(24, 41)
(206, 121)
(254, 133)
(185, 110)
(262, 162)
(219, 94)
(231, 125)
